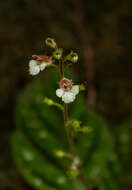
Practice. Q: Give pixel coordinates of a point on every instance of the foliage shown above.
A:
(40, 133)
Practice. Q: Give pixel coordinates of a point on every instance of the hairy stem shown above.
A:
(69, 137)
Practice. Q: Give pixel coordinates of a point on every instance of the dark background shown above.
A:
(99, 31)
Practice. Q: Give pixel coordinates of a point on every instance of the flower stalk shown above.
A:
(61, 69)
(67, 92)
(70, 138)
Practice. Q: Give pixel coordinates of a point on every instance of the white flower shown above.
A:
(67, 91)
(34, 68)
(38, 63)
(75, 89)
(59, 93)
(68, 97)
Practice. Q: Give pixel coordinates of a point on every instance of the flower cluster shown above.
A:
(38, 63)
(67, 91)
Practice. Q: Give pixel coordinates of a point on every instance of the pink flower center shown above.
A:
(41, 58)
(65, 84)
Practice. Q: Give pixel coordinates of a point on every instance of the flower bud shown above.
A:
(48, 101)
(58, 54)
(51, 43)
(73, 57)
(76, 125)
(62, 154)
(86, 129)
(59, 153)
(82, 87)
(72, 173)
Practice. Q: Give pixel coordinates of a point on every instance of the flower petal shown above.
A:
(32, 63)
(59, 93)
(75, 89)
(42, 66)
(68, 97)
(34, 70)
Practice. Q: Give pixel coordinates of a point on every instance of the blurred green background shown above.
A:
(99, 31)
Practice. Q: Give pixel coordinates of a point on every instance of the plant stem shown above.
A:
(69, 136)
(70, 139)
(61, 68)
(72, 148)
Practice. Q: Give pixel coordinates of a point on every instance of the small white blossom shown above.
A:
(68, 97)
(38, 63)
(43, 65)
(67, 91)
(59, 93)
(75, 89)
(34, 69)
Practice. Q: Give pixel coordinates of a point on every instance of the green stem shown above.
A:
(59, 106)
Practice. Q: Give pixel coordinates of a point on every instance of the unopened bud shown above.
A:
(86, 129)
(74, 57)
(76, 125)
(62, 154)
(48, 101)
(58, 54)
(82, 87)
(72, 173)
(51, 43)
(59, 153)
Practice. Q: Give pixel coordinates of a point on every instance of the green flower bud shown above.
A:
(59, 153)
(82, 87)
(73, 57)
(58, 54)
(86, 129)
(48, 101)
(72, 173)
(51, 43)
(76, 125)
(62, 154)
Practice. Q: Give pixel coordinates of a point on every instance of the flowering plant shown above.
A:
(40, 146)
(67, 92)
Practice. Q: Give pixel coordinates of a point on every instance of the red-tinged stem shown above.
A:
(72, 147)
(69, 137)
(61, 69)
